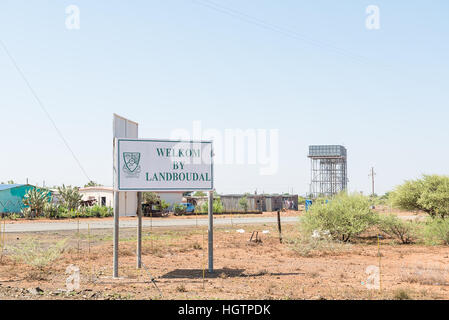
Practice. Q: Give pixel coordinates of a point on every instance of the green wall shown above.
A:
(11, 199)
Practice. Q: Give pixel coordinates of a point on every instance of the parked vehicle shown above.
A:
(154, 211)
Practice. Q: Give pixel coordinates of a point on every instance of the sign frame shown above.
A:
(184, 189)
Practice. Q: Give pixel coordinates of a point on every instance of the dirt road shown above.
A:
(37, 226)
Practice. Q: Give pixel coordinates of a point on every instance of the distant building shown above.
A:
(104, 196)
(99, 195)
(11, 197)
(259, 202)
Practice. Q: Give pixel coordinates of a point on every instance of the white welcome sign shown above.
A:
(159, 165)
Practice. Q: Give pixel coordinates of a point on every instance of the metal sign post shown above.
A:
(116, 233)
(121, 128)
(211, 231)
(139, 230)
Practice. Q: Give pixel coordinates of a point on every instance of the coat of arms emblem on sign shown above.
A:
(131, 166)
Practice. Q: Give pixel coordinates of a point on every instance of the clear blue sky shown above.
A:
(168, 63)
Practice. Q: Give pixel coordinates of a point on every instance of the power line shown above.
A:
(279, 29)
(43, 108)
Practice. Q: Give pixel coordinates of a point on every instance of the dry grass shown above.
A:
(425, 275)
(181, 288)
(402, 294)
(310, 247)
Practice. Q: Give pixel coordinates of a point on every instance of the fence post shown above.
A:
(279, 226)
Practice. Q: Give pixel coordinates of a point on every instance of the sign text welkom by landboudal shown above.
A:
(164, 165)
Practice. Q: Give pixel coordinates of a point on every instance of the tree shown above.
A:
(151, 198)
(243, 203)
(199, 194)
(71, 198)
(35, 199)
(163, 205)
(429, 194)
(92, 184)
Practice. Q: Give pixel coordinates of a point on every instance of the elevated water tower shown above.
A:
(328, 170)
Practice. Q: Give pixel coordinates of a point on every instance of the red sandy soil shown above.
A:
(176, 258)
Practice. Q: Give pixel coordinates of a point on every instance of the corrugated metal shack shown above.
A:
(256, 203)
(259, 202)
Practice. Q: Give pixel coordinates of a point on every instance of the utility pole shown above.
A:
(372, 174)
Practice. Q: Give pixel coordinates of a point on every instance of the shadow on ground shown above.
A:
(198, 273)
(219, 273)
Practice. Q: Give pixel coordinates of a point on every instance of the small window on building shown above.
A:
(103, 201)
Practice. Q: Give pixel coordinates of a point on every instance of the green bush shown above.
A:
(91, 212)
(179, 208)
(95, 211)
(83, 212)
(345, 216)
(69, 214)
(217, 206)
(62, 210)
(51, 211)
(14, 216)
(429, 194)
(106, 212)
(436, 231)
(164, 205)
(405, 231)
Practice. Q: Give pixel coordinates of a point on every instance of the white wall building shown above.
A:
(104, 196)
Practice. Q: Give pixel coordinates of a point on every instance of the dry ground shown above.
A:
(176, 258)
